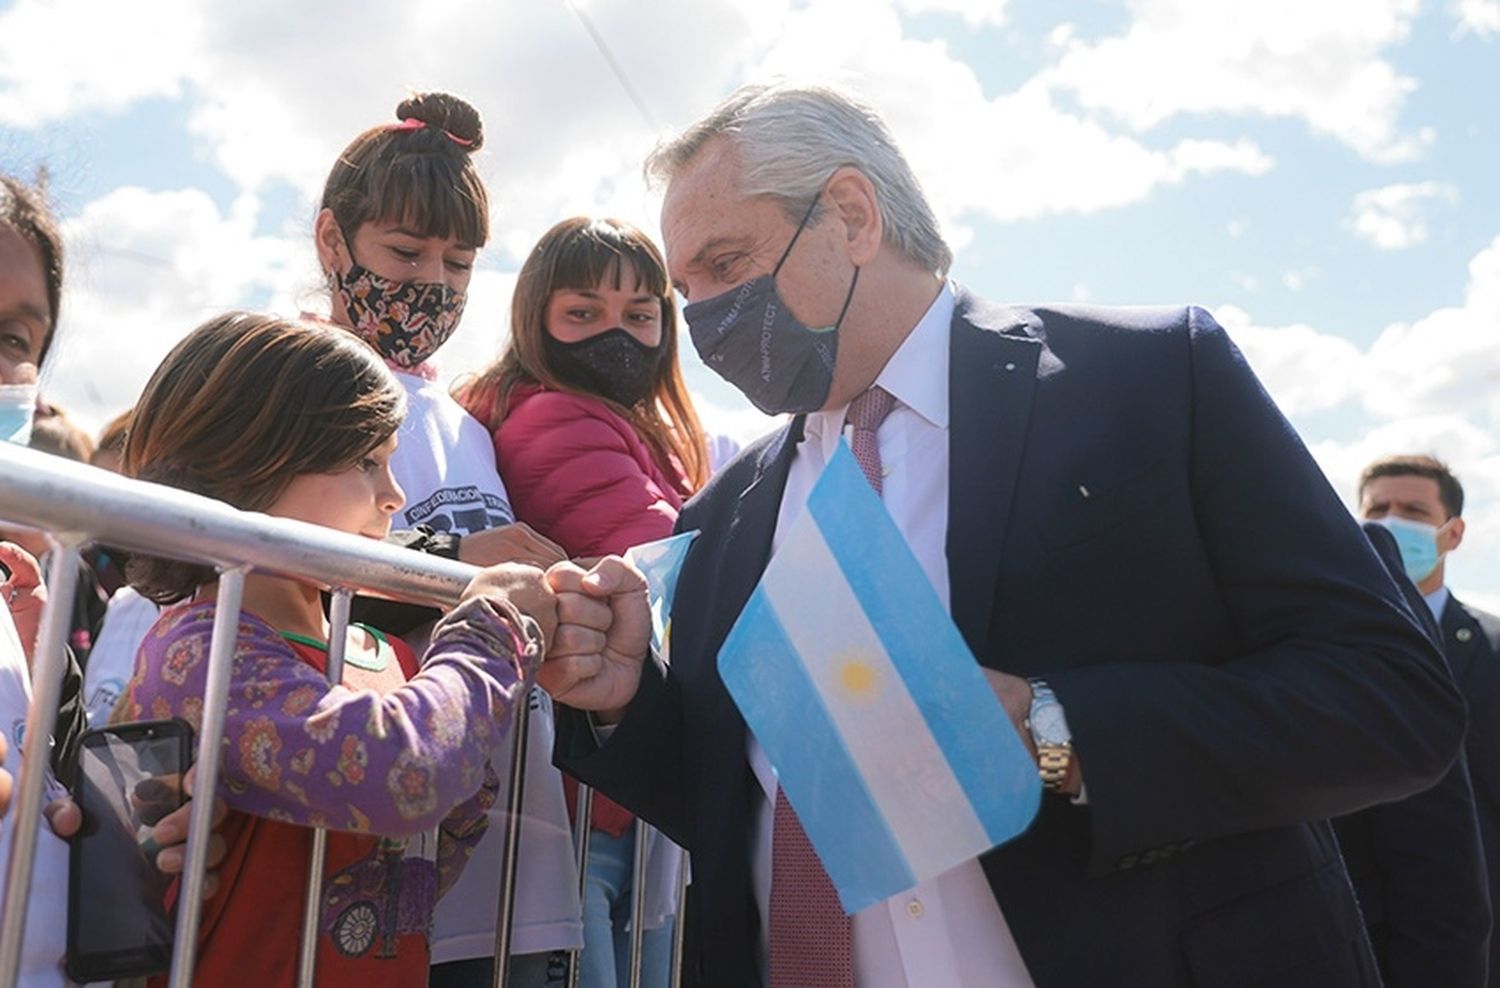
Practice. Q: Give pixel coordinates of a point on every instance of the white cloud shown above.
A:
(1446, 363)
(1448, 360)
(1393, 217)
(62, 58)
(1014, 156)
(145, 268)
(1322, 63)
(972, 11)
(1431, 386)
(562, 136)
(1482, 17)
(1305, 370)
(1206, 157)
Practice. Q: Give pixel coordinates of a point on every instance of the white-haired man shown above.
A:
(1123, 525)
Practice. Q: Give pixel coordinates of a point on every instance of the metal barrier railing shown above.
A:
(77, 504)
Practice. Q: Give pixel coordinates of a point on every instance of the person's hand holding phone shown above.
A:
(170, 834)
(157, 808)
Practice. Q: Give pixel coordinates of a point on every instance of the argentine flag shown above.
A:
(661, 563)
(885, 735)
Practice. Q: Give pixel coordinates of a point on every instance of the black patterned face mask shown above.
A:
(613, 364)
(750, 338)
(405, 320)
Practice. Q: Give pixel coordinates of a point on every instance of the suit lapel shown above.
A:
(992, 378)
(1461, 638)
(748, 543)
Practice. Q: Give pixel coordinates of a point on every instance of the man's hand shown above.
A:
(524, 586)
(23, 593)
(516, 543)
(1015, 696)
(603, 634)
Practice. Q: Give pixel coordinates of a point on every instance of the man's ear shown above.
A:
(853, 196)
(329, 241)
(1450, 539)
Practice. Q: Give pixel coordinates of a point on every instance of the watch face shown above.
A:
(1048, 725)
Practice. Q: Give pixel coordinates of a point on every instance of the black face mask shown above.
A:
(613, 364)
(750, 338)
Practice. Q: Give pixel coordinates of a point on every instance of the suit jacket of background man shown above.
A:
(1417, 864)
(1471, 639)
(1132, 518)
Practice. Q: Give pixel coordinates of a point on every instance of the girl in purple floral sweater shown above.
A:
(300, 421)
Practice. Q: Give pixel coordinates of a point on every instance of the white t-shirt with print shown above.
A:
(46, 917)
(127, 621)
(445, 462)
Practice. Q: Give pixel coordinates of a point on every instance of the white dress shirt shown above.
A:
(947, 932)
(1436, 601)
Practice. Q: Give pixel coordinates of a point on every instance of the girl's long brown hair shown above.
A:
(581, 253)
(244, 404)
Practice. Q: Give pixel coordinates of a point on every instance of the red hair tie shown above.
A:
(412, 123)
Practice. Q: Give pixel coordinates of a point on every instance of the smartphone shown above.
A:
(129, 776)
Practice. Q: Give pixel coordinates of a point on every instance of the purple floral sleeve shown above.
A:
(462, 830)
(300, 750)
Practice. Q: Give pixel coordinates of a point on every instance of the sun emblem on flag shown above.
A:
(859, 679)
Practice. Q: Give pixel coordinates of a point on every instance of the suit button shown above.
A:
(1463, 634)
(915, 909)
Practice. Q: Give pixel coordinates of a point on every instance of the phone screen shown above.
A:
(129, 777)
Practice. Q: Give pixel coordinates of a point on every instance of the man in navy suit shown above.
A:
(1179, 617)
(1420, 500)
(1417, 864)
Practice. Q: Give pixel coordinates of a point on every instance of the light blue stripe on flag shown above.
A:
(886, 737)
(914, 625)
(661, 562)
(796, 732)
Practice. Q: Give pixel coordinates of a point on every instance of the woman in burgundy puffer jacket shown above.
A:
(599, 446)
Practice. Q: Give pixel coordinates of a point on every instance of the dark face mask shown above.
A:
(750, 338)
(613, 364)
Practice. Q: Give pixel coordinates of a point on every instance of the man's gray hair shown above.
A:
(791, 138)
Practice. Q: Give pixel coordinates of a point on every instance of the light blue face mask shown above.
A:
(17, 409)
(1418, 544)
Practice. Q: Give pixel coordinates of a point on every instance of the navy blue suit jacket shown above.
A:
(1417, 865)
(1130, 517)
(1471, 640)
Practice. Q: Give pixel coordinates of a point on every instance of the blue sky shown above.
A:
(1324, 177)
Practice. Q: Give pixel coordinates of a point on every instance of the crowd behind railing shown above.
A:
(386, 602)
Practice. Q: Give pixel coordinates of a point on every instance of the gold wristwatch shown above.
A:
(1050, 734)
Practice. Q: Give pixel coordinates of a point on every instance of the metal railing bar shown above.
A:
(312, 914)
(509, 855)
(48, 664)
(638, 902)
(678, 940)
(47, 492)
(582, 826)
(227, 602)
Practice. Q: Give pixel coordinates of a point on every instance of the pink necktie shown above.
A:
(811, 942)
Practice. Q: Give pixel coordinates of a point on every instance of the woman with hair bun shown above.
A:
(404, 213)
